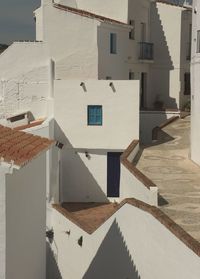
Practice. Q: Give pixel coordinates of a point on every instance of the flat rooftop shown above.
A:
(166, 162)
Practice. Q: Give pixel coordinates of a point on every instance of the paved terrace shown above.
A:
(166, 163)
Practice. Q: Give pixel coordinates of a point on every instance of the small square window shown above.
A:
(113, 43)
(94, 114)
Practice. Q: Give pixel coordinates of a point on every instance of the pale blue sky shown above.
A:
(16, 20)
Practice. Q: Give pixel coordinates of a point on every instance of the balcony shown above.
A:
(146, 51)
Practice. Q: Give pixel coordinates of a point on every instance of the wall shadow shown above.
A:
(113, 259)
(77, 184)
(147, 123)
(162, 201)
(185, 55)
(52, 270)
(163, 64)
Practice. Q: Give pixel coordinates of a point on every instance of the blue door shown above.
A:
(113, 174)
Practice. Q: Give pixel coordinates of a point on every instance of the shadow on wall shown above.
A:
(148, 122)
(112, 259)
(185, 57)
(52, 270)
(77, 182)
(163, 64)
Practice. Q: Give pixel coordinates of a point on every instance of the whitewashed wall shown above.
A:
(83, 179)
(26, 221)
(46, 129)
(151, 119)
(170, 35)
(120, 113)
(116, 9)
(195, 100)
(3, 172)
(120, 126)
(73, 50)
(92, 58)
(130, 187)
(126, 245)
(24, 79)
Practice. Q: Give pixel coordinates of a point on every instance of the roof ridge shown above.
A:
(159, 215)
(89, 14)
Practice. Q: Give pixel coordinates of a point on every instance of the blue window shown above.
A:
(113, 43)
(95, 115)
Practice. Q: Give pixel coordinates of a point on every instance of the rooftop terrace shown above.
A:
(166, 162)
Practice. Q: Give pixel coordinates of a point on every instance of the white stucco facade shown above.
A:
(3, 171)
(195, 71)
(24, 79)
(58, 79)
(162, 76)
(136, 250)
(171, 35)
(120, 124)
(23, 220)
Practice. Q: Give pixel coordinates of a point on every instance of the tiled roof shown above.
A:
(90, 216)
(89, 15)
(18, 148)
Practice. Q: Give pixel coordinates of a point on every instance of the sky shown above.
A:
(16, 20)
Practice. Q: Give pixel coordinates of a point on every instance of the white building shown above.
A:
(195, 70)
(22, 204)
(72, 85)
(145, 40)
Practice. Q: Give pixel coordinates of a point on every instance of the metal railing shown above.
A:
(146, 51)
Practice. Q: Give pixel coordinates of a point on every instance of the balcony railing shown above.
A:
(146, 51)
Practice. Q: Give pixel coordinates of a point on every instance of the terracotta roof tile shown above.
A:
(89, 15)
(20, 147)
(90, 216)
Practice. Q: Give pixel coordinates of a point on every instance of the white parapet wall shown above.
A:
(131, 186)
(133, 183)
(127, 245)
